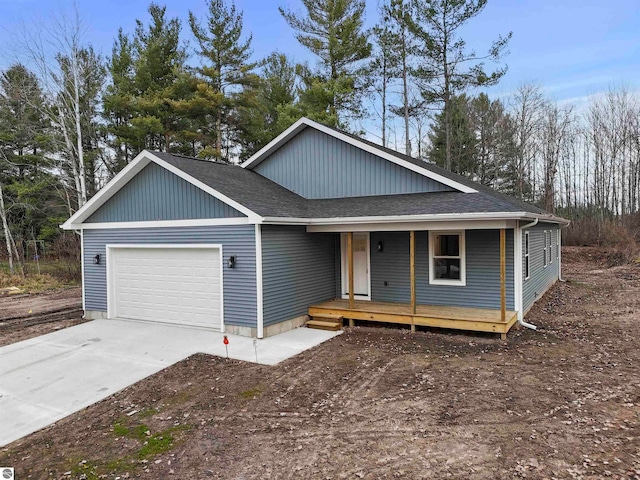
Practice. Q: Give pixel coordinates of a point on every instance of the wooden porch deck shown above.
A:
(459, 318)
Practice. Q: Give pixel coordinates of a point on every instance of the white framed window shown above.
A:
(545, 253)
(447, 258)
(551, 246)
(558, 244)
(527, 265)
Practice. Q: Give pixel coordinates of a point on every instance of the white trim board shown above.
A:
(84, 300)
(200, 222)
(301, 124)
(462, 255)
(440, 217)
(127, 173)
(111, 308)
(517, 271)
(408, 226)
(259, 285)
(344, 280)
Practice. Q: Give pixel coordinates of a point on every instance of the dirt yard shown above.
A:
(374, 403)
(24, 316)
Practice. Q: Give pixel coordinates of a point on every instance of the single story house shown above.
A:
(318, 223)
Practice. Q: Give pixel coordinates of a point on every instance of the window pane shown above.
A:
(447, 245)
(447, 268)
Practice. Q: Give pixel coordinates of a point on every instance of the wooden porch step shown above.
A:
(329, 322)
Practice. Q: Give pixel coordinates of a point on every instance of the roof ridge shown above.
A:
(189, 157)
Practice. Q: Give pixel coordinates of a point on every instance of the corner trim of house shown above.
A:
(259, 285)
(517, 274)
(84, 302)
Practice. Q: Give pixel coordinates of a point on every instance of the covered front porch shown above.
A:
(458, 278)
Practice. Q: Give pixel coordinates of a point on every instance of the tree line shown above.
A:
(71, 118)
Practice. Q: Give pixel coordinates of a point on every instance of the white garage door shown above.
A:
(175, 285)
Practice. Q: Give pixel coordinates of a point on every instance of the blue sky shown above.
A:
(573, 48)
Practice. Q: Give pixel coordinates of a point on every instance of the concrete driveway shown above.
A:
(44, 379)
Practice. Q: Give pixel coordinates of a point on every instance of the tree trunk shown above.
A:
(11, 250)
(384, 101)
(405, 94)
(219, 136)
(78, 124)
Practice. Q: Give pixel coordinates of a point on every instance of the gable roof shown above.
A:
(264, 201)
(385, 153)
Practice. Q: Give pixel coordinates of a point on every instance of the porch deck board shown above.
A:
(459, 318)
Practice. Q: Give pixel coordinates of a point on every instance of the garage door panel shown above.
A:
(176, 285)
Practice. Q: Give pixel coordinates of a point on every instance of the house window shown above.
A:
(550, 246)
(526, 256)
(446, 258)
(544, 249)
(558, 244)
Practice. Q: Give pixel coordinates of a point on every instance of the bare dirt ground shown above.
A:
(375, 403)
(30, 315)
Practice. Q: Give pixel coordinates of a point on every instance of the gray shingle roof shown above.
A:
(268, 199)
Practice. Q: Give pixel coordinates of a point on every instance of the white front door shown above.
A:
(361, 279)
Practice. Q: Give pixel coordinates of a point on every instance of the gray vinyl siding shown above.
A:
(298, 270)
(540, 277)
(316, 165)
(239, 284)
(157, 194)
(482, 288)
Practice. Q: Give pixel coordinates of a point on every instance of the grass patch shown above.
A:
(53, 274)
(120, 430)
(251, 393)
(148, 412)
(152, 444)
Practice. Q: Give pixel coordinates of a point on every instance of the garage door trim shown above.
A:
(111, 308)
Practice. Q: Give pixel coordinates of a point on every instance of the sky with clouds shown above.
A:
(572, 48)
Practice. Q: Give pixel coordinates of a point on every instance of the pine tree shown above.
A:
(227, 67)
(495, 140)
(462, 139)
(333, 30)
(118, 103)
(160, 80)
(30, 208)
(446, 67)
(383, 68)
(24, 133)
(402, 42)
(259, 106)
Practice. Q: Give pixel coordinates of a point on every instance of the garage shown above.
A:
(179, 284)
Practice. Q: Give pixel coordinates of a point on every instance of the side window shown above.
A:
(545, 253)
(558, 244)
(526, 255)
(550, 246)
